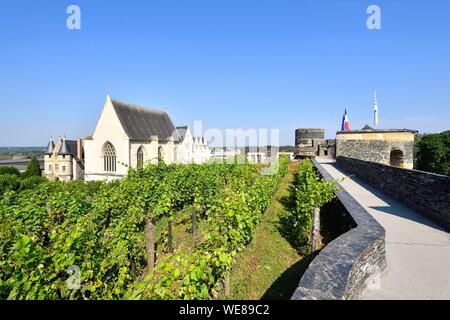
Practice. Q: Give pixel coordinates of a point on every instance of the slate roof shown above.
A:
(64, 150)
(367, 128)
(50, 148)
(141, 123)
(68, 148)
(182, 131)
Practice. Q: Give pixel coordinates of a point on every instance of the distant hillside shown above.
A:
(20, 152)
(288, 149)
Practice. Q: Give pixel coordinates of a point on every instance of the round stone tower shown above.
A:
(308, 141)
(307, 136)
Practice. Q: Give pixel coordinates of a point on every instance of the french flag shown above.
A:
(345, 125)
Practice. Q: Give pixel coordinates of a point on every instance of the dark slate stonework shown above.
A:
(426, 193)
(374, 150)
(311, 142)
(342, 268)
(308, 134)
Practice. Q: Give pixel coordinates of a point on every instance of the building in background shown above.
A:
(185, 145)
(290, 155)
(327, 148)
(191, 149)
(202, 153)
(311, 142)
(219, 154)
(393, 147)
(128, 135)
(64, 160)
(257, 157)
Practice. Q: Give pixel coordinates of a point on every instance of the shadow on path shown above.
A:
(405, 213)
(393, 206)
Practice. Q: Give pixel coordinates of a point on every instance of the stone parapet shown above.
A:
(426, 193)
(341, 270)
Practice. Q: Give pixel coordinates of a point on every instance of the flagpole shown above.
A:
(375, 112)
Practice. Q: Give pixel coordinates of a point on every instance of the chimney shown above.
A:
(79, 150)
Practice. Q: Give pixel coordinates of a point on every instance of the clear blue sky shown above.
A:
(231, 63)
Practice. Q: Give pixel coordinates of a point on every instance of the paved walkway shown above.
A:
(417, 250)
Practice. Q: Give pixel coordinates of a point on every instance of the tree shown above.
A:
(433, 153)
(445, 136)
(33, 168)
(9, 170)
(9, 182)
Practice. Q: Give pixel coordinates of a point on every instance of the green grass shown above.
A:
(181, 233)
(269, 268)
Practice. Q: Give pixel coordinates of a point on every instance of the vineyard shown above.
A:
(309, 191)
(121, 237)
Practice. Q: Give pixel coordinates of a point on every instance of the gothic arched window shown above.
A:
(140, 157)
(109, 158)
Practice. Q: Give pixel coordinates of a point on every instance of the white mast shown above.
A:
(375, 112)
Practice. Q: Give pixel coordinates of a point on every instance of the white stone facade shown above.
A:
(257, 157)
(202, 153)
(221, 154)
(64, 164)
(113, 147)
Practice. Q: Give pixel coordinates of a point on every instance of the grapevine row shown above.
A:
(103, 230)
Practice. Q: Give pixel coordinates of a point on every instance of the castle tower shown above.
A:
(50, 148)
(65, 161)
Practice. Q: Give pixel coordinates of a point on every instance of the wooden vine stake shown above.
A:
(227, 285)
(316, 230)
(150, 245)
(170, 238)
(225, 189)
(194, 224)
(50, 214)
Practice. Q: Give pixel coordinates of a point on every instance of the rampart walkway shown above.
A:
(417, 250)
